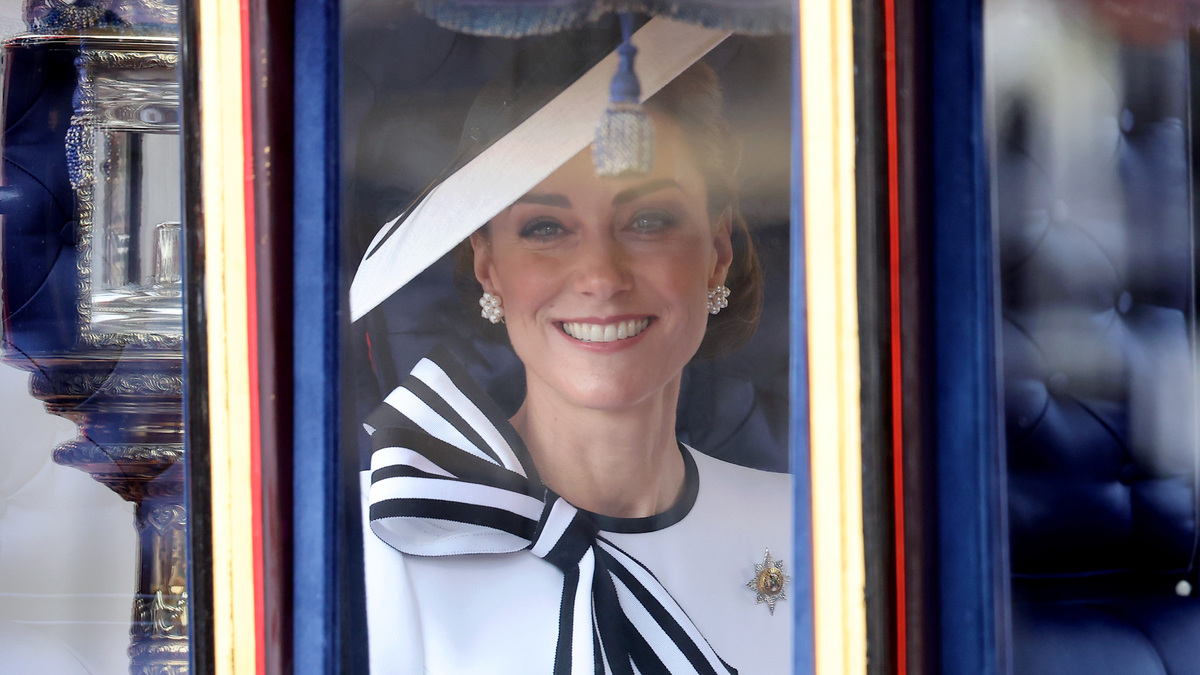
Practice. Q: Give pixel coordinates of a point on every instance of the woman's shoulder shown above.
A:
(734, 480)
(737, 504)
(709, 559)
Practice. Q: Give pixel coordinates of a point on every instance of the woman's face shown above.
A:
(604, 280)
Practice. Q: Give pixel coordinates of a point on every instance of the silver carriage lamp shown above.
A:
(92, 293)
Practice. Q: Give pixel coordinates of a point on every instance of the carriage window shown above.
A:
(570, 339)
(93, 524)
(1093, 111)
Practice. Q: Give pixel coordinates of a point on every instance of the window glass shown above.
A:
(661, 425)
(93, 567)
(1092, 111)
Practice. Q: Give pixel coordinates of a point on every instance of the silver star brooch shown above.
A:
(769, 582)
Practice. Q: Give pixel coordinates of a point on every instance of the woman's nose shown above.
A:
(602, 268)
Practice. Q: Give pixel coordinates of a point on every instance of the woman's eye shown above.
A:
(652, 221)
(541, 228)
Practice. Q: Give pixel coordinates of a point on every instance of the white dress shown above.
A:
(499, 613)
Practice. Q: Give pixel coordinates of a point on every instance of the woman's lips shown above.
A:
(605, 332)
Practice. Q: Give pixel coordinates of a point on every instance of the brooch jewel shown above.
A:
(769, 582)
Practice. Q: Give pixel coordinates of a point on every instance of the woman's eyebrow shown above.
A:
(544, 199)
(635, 193)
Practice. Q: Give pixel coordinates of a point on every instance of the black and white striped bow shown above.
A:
(450, 476)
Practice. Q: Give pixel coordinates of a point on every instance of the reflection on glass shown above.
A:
(128, 120)
(560, 340)
(1092, 113)
(89, 277)
(137, 282)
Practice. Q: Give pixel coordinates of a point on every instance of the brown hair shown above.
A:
(694, 102)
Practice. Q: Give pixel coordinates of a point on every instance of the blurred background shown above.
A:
(1092, 137)
(69, 545)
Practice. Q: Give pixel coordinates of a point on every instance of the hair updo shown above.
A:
(694, 102)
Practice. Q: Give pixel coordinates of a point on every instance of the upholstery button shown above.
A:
(1124, 302)
(1126, 120)
(1057, 384)
(1061, 212)
(1026, 402)
(1128, 474)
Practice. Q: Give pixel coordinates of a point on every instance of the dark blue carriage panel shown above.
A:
(971, 564)
(328, 635)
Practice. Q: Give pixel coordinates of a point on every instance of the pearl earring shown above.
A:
(492, 309)
(718, 299)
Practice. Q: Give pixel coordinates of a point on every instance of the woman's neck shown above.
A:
(623, 463)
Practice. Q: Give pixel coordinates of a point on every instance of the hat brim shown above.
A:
(516, 163)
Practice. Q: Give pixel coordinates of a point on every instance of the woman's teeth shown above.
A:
(594, 332)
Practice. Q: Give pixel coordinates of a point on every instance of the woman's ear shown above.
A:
(723, 245)
(481, 247)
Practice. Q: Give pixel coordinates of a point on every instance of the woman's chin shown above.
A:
(609, 391)
(605, 374)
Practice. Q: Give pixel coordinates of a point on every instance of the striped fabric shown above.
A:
(450, 476)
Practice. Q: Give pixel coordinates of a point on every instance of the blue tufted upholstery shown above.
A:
(1097, 264)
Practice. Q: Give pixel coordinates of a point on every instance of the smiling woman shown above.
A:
(577, 532)
(577, 262)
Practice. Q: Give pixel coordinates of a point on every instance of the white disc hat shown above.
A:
(516, 163)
